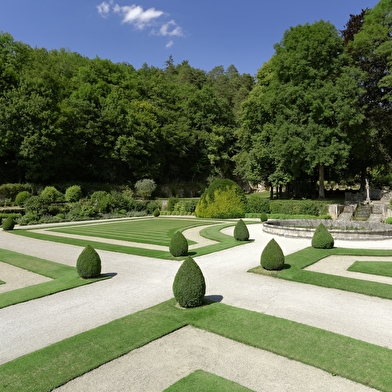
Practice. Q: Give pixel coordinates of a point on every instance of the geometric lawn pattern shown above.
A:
(161, 363)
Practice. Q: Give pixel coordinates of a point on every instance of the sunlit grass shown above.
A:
(296, 262)
(54, 365)
(154, 231)
(63, 278)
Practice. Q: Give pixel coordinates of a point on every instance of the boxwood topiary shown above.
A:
(272, 257)
(263, 217)
(189, 286)
(322, 238)
(21, 197)
(156, 212)
(178, 245)
(9, 223)
(241, 232)
(88, 264)
(222, 199)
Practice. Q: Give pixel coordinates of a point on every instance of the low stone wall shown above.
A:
(351, 230)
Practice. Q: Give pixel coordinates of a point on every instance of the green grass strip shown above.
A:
(201, 381)
(295, 263)
(54, 365)
(64, 278)
(380, 268)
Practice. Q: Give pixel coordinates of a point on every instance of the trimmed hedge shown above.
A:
(88, 264)
(222, 199)
(299, 207)
(257, 204)
(178, 245)
(189, 286)
(9, 223)
(322, 238)
(272, 257)
(241, 232)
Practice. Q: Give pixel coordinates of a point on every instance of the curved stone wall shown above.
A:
(351, 230)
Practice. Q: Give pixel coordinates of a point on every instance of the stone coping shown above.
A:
(342, 230)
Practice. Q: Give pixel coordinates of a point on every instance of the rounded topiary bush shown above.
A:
(9, 223)
(21, 197)
(222, 199)
(272, 257)
(263, 217)
(241, 232)
(178, 245)
(73, 193)
(189, 286)
(88, 264)
(156, 212)
(322, 238)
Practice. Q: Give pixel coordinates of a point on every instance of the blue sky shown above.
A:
(207, 33)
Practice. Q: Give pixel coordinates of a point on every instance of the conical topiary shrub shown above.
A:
(9, 223)
(88, 264)
(322, 238)
(263, 217)
(178, 245)
(272, 257)
(189, 286)
(241, 232)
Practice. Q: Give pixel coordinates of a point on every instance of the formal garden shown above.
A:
(154, 171)
(339, 355)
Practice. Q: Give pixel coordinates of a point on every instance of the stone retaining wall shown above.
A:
(304, 228)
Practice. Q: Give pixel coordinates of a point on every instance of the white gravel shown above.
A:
(142, 282)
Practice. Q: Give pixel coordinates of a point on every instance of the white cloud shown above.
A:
(103, 9)
(171, 29)
(140, 18)
(136, 16)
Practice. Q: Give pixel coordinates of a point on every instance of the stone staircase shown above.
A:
(347, 213)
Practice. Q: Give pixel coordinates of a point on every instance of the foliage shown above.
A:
(298, 207)
(73, 193)
(263, 217)
(145, 188)
(184, 207)
(172, 202)
(189, 286)
(256, 204)
(388, 221)
(241, 232)
(9, 223)
(156, 212)
(21, 197)
(322, 238)
(222, 199)
(178, 245)
(10, 191)
(305, 106)
(88, 264)
(272, 257)
(51, 195)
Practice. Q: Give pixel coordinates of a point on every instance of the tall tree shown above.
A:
(312, 104)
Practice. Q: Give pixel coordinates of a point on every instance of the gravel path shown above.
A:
(142, 282)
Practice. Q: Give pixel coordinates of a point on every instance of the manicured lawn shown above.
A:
(372, 267)
(295, 263)
(64, 278)
(54, 365)
(201, 381)
(155, 231)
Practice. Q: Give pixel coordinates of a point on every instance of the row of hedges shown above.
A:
(256, 204)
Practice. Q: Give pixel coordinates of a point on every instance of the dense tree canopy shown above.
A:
(320, 108)
(65, 117)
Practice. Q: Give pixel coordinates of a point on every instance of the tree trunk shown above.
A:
(321, 182)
